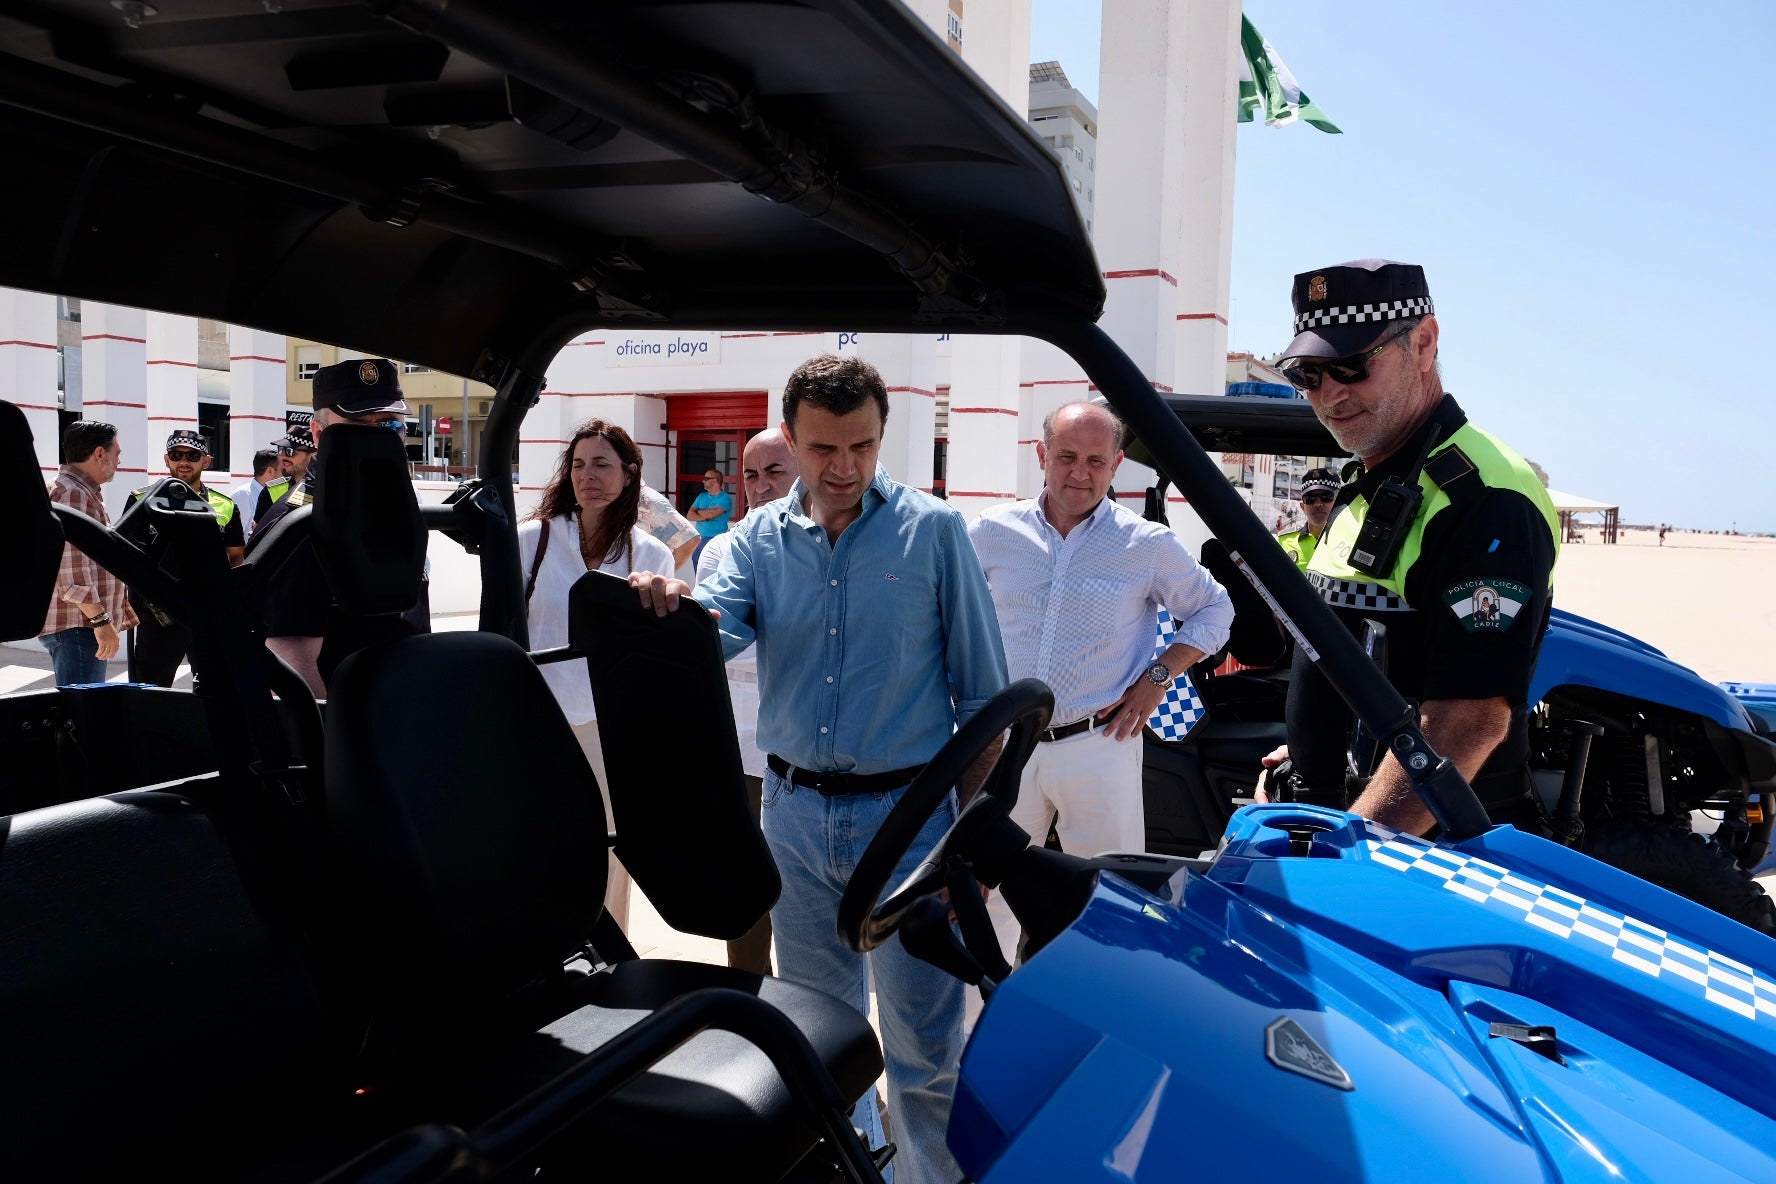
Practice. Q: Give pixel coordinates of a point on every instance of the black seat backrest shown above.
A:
(466, 827)
(34, 537)
(368, 533)
(1256, 638)
(661, 690)
(152, 1009)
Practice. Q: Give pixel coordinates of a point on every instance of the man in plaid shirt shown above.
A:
(89, 608)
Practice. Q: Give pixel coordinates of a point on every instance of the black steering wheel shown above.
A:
(1024, 707)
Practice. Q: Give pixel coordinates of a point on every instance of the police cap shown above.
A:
(186, 438)
(1344, 309)
(359, 387)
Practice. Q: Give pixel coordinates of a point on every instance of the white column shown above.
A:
(1205, 209)
(172, 386)
(985, 402)
(28, 360)
(257, 391)
(984, 422)
(114, 388)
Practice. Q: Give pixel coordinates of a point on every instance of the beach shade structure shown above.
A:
(1571, 507)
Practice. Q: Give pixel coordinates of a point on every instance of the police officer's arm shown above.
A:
(234, 540)
(1464, 730)
(1483, 587)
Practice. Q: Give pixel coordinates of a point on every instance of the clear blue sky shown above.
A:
(1589, 188)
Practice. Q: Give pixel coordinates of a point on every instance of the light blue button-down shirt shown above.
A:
(860, 642)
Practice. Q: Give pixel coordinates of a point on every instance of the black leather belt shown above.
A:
(1074, 728)
(833, 784)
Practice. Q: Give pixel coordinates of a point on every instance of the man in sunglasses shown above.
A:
(1447, 538)
(1318, 490)
(296, 451)
(301, 626)
(161, 642)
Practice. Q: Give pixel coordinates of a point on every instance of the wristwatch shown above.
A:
(1160, 675)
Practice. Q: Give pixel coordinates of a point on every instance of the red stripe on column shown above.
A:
(1029, 441)
(1058, 382)
(115, 337)
(170, 362)
(730, 336)
(254, 358)
(1202, 316)
(121, 469)
(981, 493)
(34, 407)
(109, 403)
(541, 441)
(917, 390)
(571, 344)
(174, 419)
(266, 418)
(1138, 274)
(982, 411)
(801, 333)
(30, 344)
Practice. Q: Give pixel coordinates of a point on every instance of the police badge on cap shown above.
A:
(359, 387)
(1344, 309)
(188, 439)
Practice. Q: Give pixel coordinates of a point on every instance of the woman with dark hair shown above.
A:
(586, 521)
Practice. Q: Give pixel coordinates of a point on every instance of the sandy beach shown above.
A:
(1701, 598)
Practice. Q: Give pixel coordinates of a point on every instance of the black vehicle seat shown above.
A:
(472, 865)
(1255, 639)
(155, 1013)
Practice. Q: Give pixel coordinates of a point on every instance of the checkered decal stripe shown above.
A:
(1182, 708)
(1356, 594)
(1716, 978)
(1351, 314)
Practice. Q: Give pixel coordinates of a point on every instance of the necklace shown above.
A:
(595, 562)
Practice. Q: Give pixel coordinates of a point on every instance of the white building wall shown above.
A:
(1207, 121)
(256, 392)
(28, 358)
(114, 351)
(172, 386)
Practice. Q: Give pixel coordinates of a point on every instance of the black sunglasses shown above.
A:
(185, 454)
(1321, 497)
(1305, 373)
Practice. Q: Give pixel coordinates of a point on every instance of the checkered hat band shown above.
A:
(1356, 594)
(1356, 314)
(1692, 969)
(184, 439)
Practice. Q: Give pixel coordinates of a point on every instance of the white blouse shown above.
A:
(562, 566)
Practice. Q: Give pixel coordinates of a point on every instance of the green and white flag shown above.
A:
(1266, 83)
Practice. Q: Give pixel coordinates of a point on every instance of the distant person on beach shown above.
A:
(1460, 568)
(1663, 527)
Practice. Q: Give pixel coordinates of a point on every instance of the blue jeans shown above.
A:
(75, 653)
(817, 842)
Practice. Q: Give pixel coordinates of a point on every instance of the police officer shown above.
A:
(1442, 533)
(296, 451)
(300, 623)
(162, 643)
(1318, 489)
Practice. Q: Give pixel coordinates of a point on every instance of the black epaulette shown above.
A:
(1451, 470)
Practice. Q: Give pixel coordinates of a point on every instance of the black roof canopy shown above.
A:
(422, 180)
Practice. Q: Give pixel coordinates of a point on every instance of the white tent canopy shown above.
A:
(1571, 505)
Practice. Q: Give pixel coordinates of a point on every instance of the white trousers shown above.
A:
(1089, 787)
(616, 886)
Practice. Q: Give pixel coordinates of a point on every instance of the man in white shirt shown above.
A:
(768, 470)
(1078, 581)
(246, 494)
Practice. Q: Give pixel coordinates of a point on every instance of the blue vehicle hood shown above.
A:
(1147, 1042)
(1580, 652)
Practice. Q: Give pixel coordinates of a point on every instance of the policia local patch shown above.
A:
(1486, 604)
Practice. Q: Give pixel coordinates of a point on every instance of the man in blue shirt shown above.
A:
(712, 511)
(876, 638)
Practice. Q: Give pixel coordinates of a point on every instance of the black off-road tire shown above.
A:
(1685, 863)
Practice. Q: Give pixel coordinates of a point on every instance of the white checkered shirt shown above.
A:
(1080, 612)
